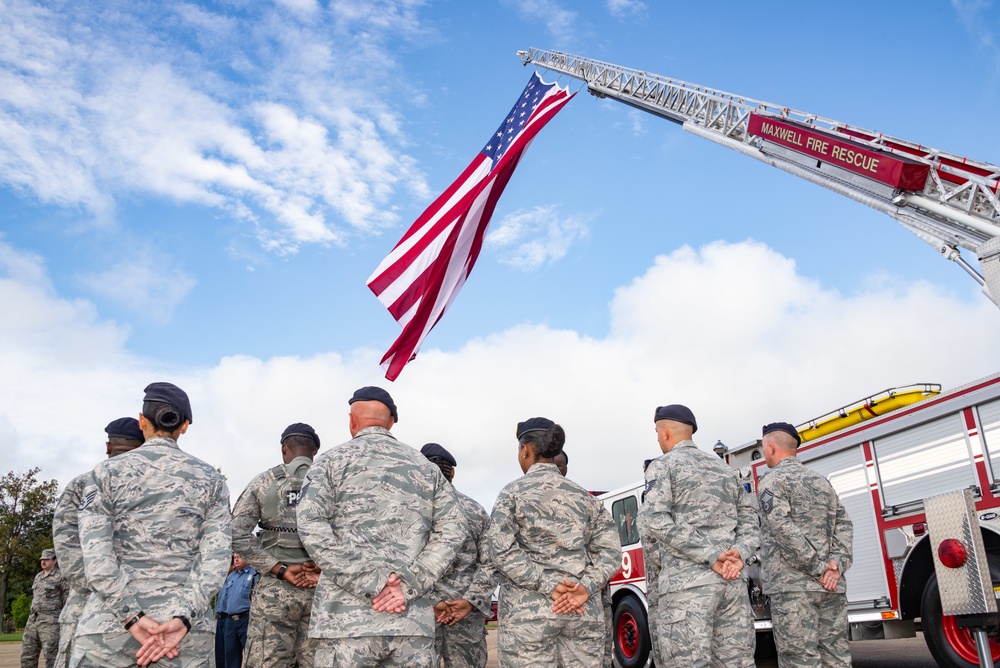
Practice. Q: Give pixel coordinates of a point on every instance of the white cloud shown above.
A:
(625, 8)
(560, 22)
(149, 286)
(266, 113)
(970, 15)
(731, 329)
(528, 239)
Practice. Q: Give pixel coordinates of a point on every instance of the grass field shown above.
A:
(10, 637)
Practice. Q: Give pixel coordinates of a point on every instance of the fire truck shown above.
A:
(882, 465)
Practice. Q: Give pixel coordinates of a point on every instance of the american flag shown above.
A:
(421, 277)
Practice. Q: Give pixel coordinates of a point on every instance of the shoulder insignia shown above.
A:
(87, 500)
(767, 501)
(649, 486)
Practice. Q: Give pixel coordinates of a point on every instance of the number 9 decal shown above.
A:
(626, 565)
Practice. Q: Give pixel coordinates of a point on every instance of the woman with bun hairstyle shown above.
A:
(554, 546)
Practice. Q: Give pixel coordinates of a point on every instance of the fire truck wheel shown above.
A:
(631, 633)
(951, 645)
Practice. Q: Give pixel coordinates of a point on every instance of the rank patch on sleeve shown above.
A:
(767, 501)
(87, 500)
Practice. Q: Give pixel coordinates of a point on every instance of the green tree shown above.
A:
(26, 507)
(20, 608)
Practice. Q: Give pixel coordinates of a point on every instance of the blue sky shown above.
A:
(197, 192)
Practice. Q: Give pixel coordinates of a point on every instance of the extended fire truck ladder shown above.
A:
(948, 201)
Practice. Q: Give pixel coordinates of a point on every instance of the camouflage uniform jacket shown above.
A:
(48, 593)
(546, 528)
(66, 537)
(458, 581)
(804, 526)
(278, 541)
(694, 510)
(155, 534)
(369, 508)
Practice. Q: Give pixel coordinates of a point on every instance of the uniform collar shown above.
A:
(542, 467)
(687, 443)
(374, 430)
(788, 461)
(161, 441)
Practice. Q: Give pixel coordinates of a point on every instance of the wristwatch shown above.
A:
(281, 572)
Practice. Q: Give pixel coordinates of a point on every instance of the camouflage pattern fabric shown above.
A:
(280, 613)
(568, 641)
(372, 651)
(278, 635)
(609, 638)
(804, 526)
(544, 529)
(707, 626)
(155, 535)
(117, 650)
(66, 537)
(372, 507)
(463, 644)
(694, 510)
(41, 635)
(810, 629)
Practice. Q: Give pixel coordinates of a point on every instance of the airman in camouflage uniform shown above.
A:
(155, 535)
(48, 593)
(281, 606)
(806, 543)
(461, 604)
(124, 435)
(700, 523)
(384, 526)
(555, 546)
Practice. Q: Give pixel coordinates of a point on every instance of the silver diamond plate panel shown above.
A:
(966, 590)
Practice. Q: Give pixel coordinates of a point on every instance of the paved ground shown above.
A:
(906, 653)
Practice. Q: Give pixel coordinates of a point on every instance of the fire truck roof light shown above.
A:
(952, 553)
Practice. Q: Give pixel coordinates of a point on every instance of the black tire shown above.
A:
(951, 646)
(630, 631)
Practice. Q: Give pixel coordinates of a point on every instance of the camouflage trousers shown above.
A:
(708, 626)
(546, 643)
(810, 629)
(463, 644)
(41, 634)
(278, 636)
(373, 651)
(117, 650)
(66, 633)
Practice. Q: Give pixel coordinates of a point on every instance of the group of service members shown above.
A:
(368, 556)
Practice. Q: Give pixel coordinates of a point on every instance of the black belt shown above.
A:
(238, 615)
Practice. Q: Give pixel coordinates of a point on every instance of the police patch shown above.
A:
(87, 500)
(767, 501)
(292, 497)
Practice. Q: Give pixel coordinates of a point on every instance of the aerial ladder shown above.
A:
(948, 201)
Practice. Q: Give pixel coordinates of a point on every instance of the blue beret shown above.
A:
(300, 429)
(169, 393)
(677, 413)
(533, 424)
(785, 427)
(372, 393)
(126, 427)
(435, 450)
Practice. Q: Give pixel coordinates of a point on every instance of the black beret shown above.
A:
(169, 393)
(677, 413)
(533, 424)
(126, 427)
(372, 393)
(435, 450)
(785, 427)
(300, 429)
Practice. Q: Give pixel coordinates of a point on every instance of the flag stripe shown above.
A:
(421, 277)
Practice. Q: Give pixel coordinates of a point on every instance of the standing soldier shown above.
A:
(806, 541)
(701, 525)
(555, 546)
(282, 601)
(384, 526)
(460, 635)
(48, 593)
(124, 436)
(155, 535)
